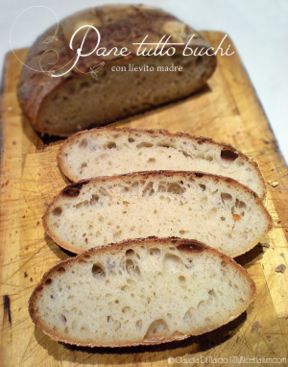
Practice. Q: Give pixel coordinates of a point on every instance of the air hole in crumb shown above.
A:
(63, 318)
(148, 189)
(236, 217)
(131, 140)
(203, 187)
(172, 261)
(144, 144)
(48, 281)
(154, 251)
(181, 278)
(211, 292)
(164, 145)
(240, 204)
(98, 271)
(131, 267)
(57, 211)
(130, 252)
(228, 154)
(175, 188)
(188, 314)
(83, 143)
(225, 197)
(126, 309)
(111, 145)
(156, 328)
(94, 199)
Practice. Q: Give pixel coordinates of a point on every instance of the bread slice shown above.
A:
(102, 89)
(111, 151)
(140, 292)
(211, 209)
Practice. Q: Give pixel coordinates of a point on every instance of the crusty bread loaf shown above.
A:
(95, 94)
(140, 292)
(211, 209)
(111, 151)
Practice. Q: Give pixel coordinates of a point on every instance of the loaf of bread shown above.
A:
(94, 93)
(140, 292)
(111, 151)
(214, 210)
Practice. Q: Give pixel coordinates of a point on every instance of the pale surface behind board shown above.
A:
(227, 111)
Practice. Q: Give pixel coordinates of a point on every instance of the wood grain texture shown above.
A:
(227, 111)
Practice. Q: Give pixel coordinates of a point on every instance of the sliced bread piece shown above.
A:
(112, 151)
(211, 209)
(140, 292)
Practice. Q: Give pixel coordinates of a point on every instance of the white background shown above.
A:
(259, 28)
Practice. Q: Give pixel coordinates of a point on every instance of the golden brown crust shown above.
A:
(145, 175)
(179, 242)
(197, 139)
(119, 25)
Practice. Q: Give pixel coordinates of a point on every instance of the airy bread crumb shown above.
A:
(140, 292)
(211, 209)
(114, 151)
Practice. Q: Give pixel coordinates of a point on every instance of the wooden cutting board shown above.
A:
(228, 111)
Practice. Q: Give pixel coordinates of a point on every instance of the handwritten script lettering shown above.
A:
(144, 48)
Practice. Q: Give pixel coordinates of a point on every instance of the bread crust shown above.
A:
(145, 175)
(182, 245)
(164, 132)
(119, 25)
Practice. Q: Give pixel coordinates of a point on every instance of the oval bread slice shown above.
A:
(111, 151)
(210, 209)
(140, 292)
